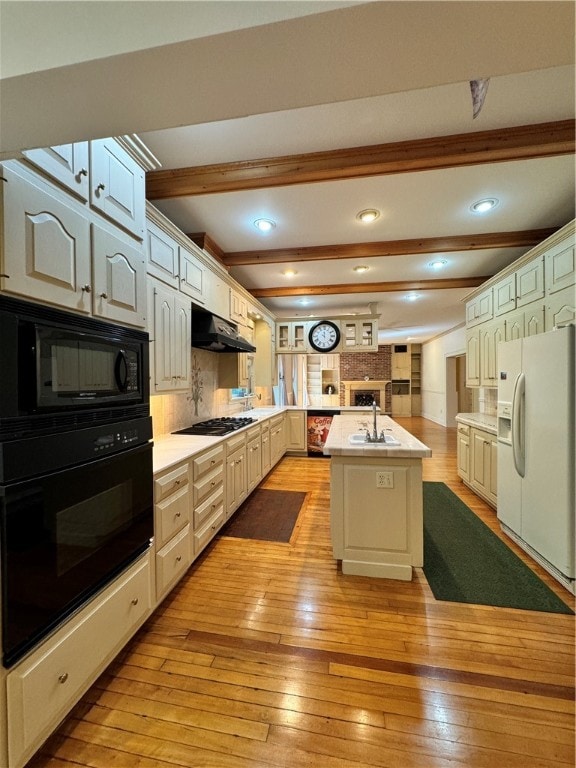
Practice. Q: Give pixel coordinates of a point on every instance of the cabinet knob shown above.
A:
(135, 601)
(83, 172)
(179, 558)
(178, 514)
(62, 678)
(101, 187)
(177, 482)
(103, 295)
(86, 288)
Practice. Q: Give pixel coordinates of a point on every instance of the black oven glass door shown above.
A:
(64, 536)
(76, 369)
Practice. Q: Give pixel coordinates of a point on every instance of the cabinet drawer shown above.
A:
(253, 433)
(234, 443)
(203, 512)
(171, 515)
(172, 562)
(207, 460)
(206, 534)
(206, 485)
(463, 429)
(170, 482)
(45, 686)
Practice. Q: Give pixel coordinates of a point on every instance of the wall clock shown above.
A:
(324, 336)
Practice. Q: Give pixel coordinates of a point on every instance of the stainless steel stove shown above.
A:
(216, 427)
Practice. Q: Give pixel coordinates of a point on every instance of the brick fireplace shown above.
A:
(364, 392)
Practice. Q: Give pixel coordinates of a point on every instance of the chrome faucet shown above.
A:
(375, 430)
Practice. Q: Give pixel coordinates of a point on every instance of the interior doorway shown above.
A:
(459, 397)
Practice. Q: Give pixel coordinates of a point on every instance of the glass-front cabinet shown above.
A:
(360, 335)
(292, 336)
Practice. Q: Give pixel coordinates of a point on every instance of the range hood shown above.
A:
(217, 335)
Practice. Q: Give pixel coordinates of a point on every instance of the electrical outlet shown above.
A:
(384, 479)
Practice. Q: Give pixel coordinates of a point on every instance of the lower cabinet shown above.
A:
(208, 495)
(253, 456)
(236, 474)
(277, 439)
(477, 461)
(172, 529)
(265, 442)
(295, 428)
(45, 686)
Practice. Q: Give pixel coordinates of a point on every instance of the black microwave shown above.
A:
(59, 370)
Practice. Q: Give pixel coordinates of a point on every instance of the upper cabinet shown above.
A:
(292, 336)
(238, 308)
(359, 335)
(533, 295)
(68, 164)
(117, 186)
(171, 262)
(101, 172)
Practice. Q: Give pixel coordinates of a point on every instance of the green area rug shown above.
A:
(465, 562)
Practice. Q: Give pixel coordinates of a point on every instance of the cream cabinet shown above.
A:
(253, 456)
(491, 334)
(560, 309)
(479, 309)
(67, 164)
(101, 172)
(55, 253)
(265, 443)
(295, 429)
(483, 464)
(401, 405)
(172, 526)
(117, 188)
(522, 287)
(43, 688)
(525, 322)
(235, 370)
(170, 329)
(292, 336)
(171, 262)
(477, 461)
(359, 335)
(401, 362)
(236, 472)
(209, 495)
(463, 451)
(264, 358)
(238, 308)
(277, 439)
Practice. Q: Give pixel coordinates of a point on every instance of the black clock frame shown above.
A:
(332, 325)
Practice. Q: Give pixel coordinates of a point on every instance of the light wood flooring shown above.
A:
(266, 656)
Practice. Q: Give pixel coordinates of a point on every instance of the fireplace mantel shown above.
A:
(363, 384)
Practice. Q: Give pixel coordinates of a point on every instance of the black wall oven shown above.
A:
(76, 504)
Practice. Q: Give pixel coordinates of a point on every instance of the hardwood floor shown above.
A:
(266, 656)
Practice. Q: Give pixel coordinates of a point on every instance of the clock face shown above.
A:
(324, 336)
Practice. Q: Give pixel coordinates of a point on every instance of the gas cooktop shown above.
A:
(215, 427)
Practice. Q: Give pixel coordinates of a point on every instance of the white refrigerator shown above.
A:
(536, 448)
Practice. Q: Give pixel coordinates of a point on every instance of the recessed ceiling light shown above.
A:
(303, 302)
(368, 215)
(412, 297)
(289, 272)
(485, 205)
(361, 268)
(264, 225)
(438, 263)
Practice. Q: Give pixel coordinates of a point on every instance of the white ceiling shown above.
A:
(247, 80)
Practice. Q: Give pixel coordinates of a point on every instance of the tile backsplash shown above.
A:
(488, 401)
(204, 400)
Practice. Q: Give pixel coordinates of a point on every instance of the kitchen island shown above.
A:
(376, 514)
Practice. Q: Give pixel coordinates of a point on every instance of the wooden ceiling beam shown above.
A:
(450, 243)
(502, 145)
(388, 287)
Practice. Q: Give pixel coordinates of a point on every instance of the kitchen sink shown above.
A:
(361, 439)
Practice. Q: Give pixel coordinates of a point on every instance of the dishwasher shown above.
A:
(317, 428)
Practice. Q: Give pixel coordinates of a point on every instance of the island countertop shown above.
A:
(338, 442)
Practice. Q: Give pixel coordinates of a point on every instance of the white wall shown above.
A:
(434, 386)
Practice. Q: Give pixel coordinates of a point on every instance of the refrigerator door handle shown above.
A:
(518, 425)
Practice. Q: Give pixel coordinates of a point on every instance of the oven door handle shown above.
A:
(121, 371)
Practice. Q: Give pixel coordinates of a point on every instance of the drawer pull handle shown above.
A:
(213, 483)
(177, 481)
(62, 678)
(179, 558)
(134, 601)
(178, 514)
(213, 461)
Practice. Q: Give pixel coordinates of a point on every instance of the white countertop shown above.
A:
(342, 427)
(170, 449)
(481, 420)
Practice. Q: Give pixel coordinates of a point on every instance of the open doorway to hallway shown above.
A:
(459, 397)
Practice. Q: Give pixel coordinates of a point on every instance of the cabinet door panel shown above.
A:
(117, 185)
(162, 255)
(530, 282)
(46, 246)
(192, 276)
(67, 163)
(119, 279)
